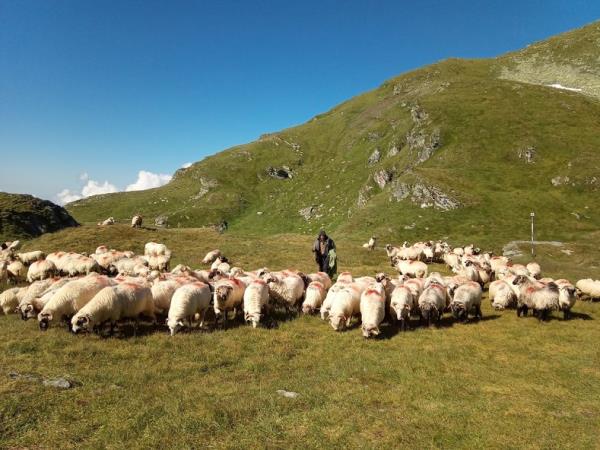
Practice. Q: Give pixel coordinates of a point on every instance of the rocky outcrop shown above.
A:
(161, 221)
(559, 181)
(374, 158)
(309, 212)
(363, 196)
(205, 186)
(527, 154)
(280, 173)
(426, 196)
(383, 177)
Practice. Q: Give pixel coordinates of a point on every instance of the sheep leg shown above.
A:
(478, 312)
(567, 314)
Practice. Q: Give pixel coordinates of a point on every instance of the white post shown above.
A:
(532, 233)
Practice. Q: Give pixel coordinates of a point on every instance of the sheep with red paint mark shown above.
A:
(256, 301)
(372, 309)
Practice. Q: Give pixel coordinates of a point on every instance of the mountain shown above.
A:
(25, 216)
(458, 148)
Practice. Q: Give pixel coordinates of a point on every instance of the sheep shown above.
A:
(432, 303)
(101, 249)
(71, 298)
(29, 297)
(467, 297)
(123, 301)
(502, 295)
(534, 270)
(211, 256)
(154, 249)
(313, 299)
(344, 305)
(16, 271)
(321, 277)
(188, 300)
(106, 222)
(158, 262)
(414, 269)
(130, 266)
(452, 260)
(328, 301)
(286, 289)
(3, 271)
(371, 244)
(163, 291)
(402, 303)
(220, 260)
(228, 295)
(589, 288)
(136, 221)
(538, 296)
(392, 252)
(372, 309)
(256, 301)
(345, 277)
(29, 257)
(567, 296)
(416, 286)
(40, 270)
(9, 300)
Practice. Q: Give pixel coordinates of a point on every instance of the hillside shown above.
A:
(461, 148)
(25, 216)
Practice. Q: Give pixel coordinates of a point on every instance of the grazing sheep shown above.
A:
(414, 269)
(466, 298)
(345, 277)
(154, 249)
(220, 260)
(402, 304)
(101, 249)
(29, 257)
(567, 296)
(256, 301)
(163, 291)
(589, 288)
(159, 262)
(321, 277)
(188, 300)
(40, 270)
(534, 270)
(131, 266)
(71, 298)
(109, 221)
(432, 303)
(16, 271)
(314, 297)
(392, 252)
(32, 299)
(452, 260)
(228, 295)
(502, 295)
(286, 289)
(328, 301)
(113, 303)
(372, 309)
(345, 304)
(211, 256)
(3, 271)
(136, 221)
(9, 300)
(371, 244)
(542, 298)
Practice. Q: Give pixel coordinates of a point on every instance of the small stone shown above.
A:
(259, 213)
(60, 383)
(374, 158)
(287, 394)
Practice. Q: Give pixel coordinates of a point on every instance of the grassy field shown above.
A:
(502, 382)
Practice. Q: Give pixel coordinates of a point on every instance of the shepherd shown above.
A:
(325, 256)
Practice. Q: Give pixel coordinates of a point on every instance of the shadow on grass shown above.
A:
(580, 316)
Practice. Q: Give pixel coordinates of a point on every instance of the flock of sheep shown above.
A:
(91, 292)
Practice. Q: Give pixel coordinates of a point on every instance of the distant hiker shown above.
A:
(325, 256)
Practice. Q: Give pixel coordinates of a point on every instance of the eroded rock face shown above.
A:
(206, 185)
(426, 196)
(161, 221)
(374, 158)
(309, 212)
(363, 196)
(559, 181)
(280, 173)
(527, 154)
(383, 177)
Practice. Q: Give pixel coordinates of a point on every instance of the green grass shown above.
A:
(502, 382)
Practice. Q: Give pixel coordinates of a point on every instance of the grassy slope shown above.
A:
(483, 121)
(499, 383)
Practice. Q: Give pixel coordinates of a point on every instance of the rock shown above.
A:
(280, 173)
(382, 177)
(161, 221)
(400, 191)
(205, 186)
(23, 377)
(60, 383)
(418, 114)
(528, 154)
(373, 136)
(393, 151)
(309, 212)
(424, 195)
(374, 158)
(287, 394)
(364, 196)
(259, 213)
(558, 181)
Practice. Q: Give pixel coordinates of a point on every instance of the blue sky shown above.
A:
(93, 92)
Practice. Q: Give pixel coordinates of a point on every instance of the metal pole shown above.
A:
(532, 234)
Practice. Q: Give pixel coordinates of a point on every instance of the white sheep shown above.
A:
(101, 249)
(29, 257)
(286, 289)
(402, 304)
(534, 270)
(321, 277)
(188, 300)
(256, 301)
(328, 301)
(9, 300)
(113, 303)
(136, 221)
(345, 304)
(414, 269)
(71, 298)
(211, 256)
(106, 222)
(466, 299)
(228, 295)
(542, 298)
(371, 244)
(163, 290)
(502, 295)
(432, 303)
(155, 249)
(40, 270)
(372, 309)
(313, 299)
(589, 288)
(33, 298)
(3, 271)
(567, 296)
(16, 271)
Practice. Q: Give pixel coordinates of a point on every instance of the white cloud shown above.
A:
(84, 176)
(66, 196)
(148, 180)
(92, 187)
(186, 165)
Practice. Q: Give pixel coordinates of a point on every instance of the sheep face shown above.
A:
(253, 318)
(459, 312)
(82, 324)
(307, 309)
(175, 326)
(27, 312)
(370, 331)
(44, 320)
(222, 293)
(402, 312)
(338, 322)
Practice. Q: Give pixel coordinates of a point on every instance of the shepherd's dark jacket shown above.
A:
(329, 245)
